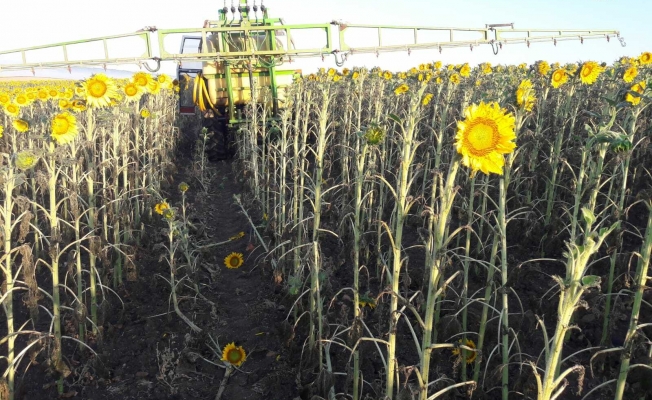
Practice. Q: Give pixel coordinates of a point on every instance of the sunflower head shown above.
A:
(543, 68)
(404, 88)
(142, 80)
(234, 260)
(145, 113)
(486, 68)
(426, 99)
(455, 79)
(590, 72)
(183, 187)
(4, 98)
(559, 77)
(355, 75)
(132, 92)
(26, 160)
(234, 355)
(20, 125)
(630, 74)
(484, 136)
(161, 207)
(12, 109)
(637, 88)
(374, 134)
(470, 355)
(645, 58)
(525, 95)
(2, 129)
(465, 71)
(367, 300)
(64, 128)
(100, 90)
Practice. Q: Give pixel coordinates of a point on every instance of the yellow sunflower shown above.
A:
(367, 300)
(638, 88)
(142, 80)
(2, 129)
(437, 65)
(465, 71)
(404, 88)
(234, 260)
(455, 79)
(485, 135)
(486, 68)
(20, 125)
(78, 105)
(100, 89)
(426, 99)
(64, 104)
(132, 92)
(64, 128)
(12, 109)
(154, 87)
(165, 81)
(630, 74)
(543, 67)
(559, 77)
(234, 355)
(4, 98)
(525, 95)
(26, 160)
(145, 113)
(183, 187)
(21, 100)
(387, 75)
(645, 58)
(470, 355)
(355, 75)
(590, 72)
(161, 207)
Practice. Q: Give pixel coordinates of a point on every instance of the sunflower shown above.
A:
(331, 72)
(234, 260)
(12, 109)
(53, 93)
(404, 88)
(630, 74)
(645, 58)
(470, 355)
(387, 75)
(26, 160)
(183, 187)
(486, 68)
(78, 105)
(638, 88)
(64, 104)
(374, 134)
(100, 89)
(486, 133)
(2, 129)
(455, 79)
(64, 128)
(438, 80)
(590, 72)
(4, 98)
(142, 80)
(234, 355)
(165, 81)
(161, 207)
(20, 125)
(543, 67)
(426, 99)
(559, 77)
(437, 65)
(145, 113)
(154, 87)
(132, 92)
(525, 95)
(237, 236)
(355, 75)
(345, 71)
(465, 71)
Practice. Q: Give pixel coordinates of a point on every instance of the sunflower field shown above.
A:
(447, 231)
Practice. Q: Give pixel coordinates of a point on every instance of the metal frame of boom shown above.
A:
(248, 27)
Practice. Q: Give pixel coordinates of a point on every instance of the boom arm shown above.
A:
(270, 29)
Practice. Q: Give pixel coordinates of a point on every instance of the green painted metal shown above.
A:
(229, 91)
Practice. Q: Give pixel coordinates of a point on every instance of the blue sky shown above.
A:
(46, 21)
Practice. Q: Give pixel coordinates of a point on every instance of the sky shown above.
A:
(47, 21)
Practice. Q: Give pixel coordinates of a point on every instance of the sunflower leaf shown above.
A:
(395, 118)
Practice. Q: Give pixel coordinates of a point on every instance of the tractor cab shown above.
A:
(186, 73)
